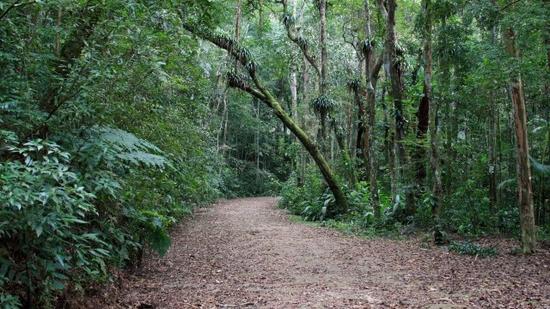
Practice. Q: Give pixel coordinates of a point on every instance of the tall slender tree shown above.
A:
(373, 64)
(523, 168)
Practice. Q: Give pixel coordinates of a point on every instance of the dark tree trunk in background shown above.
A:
(323, 67)
(396, 77)
(361, 115)
(394, 61)
(423, 116)
(323, 44)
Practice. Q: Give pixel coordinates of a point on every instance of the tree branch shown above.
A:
(14, 6)
(383, 9)
(235, 50)
(236, 81)
(294, 36)
(509, 5)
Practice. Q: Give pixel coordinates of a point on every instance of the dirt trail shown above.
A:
(246, 253)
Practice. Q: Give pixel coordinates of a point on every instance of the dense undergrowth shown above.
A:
(310, 199)
(107, 139)
(117, 120)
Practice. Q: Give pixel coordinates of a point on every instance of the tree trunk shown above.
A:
(525, 198)
(346, 157)
(323, 43)
(361, 115)
(373, 166)
(492, 143)
(423, 116)
(396, 77)
(293, 77)
(238, 16)
(323, 64)
(437, 188)
(423, 112)
(293, 92)
(373, 65)
(313, 150)
(257, 139)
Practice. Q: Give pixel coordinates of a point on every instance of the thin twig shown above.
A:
(509, 5)
(14, 6)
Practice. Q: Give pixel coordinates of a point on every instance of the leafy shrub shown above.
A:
(423, 216)
(469, 248)
(307, 199)
(62, 227)
(508, 220)
(44, 227)
(467, 211)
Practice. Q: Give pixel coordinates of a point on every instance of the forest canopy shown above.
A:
(119, 118)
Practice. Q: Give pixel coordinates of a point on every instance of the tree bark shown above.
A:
(293, 92)
(523, 169)
(433, 107)
(373, 64)
(323, 44)
(423, 112)
(396, 76)
(323, 64)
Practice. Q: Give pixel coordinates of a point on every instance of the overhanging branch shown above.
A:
(294, 36)
(233, 48)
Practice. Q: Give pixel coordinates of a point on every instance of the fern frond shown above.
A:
(538, 167)
(122, 140)
(505, 183)
(145, 158)
(129, 148)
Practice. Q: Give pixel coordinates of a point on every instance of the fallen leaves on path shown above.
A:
(245, 253)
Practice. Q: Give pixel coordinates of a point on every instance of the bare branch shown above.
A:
(14, 6)
(382, 7)
(235, 50)
(294, 36)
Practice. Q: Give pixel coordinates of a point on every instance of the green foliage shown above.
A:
(469, 248)
(306, 200)
(9, 301)
(468, 211)
(46, 209)
(126, 147)
(312, 199)
(115, 122)
(123, 151)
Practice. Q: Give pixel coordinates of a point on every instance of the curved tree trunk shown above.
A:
(265, 96)
(312, 149)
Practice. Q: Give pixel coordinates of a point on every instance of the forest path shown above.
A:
(247, 253)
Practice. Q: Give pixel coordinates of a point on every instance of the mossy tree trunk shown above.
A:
(258, 90)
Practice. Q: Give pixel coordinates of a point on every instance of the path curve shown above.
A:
(247, 253)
